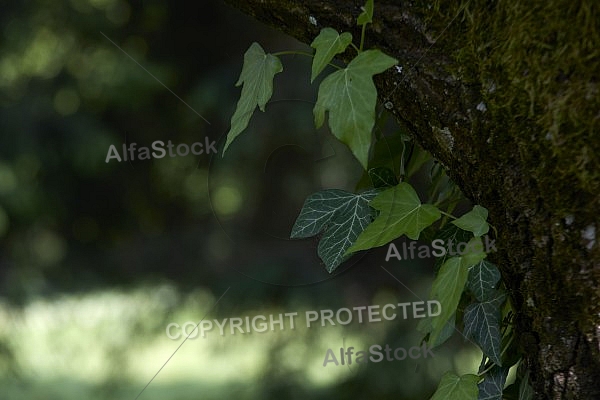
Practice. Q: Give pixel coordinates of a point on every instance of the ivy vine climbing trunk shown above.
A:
(507, 96)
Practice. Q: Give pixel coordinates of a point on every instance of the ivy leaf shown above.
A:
(473, 252)
(327, 45)
(482, 325)
(447, 289)
(483, 278)
(454, 387)
(493, 384)
(350, 97)
(401, 213)
(448, 234)
(257, 75)
(525, 390)
(474, 221)
(425, 327)
(382, 177)
(341, 215)
(386, 152)
(449, 285)
(366, 17)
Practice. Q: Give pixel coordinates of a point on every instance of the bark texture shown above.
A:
(507, 97)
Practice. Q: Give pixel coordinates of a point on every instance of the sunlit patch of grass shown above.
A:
(115, 341)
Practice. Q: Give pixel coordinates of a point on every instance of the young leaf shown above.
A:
(257, 75)
(474, 221)
(366, 17)
(382, 177)
(525, 390)
(483, 278)
(401, 213)
(454, 387)
(473, 252)
(482, 323)
(493, 384)
(350, 97)
(417, 160)
(342, 215)
(327, 45)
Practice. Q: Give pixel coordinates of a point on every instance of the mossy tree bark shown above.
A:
(507, 97)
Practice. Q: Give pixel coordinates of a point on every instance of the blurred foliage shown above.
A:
(97, 258)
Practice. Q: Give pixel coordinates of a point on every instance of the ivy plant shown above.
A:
(386, 206)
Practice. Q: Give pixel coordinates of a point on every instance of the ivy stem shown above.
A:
(301, 53)
(494, 228)
(355, 48)
(362, 37)
(501, 353)
(486, 370)
(510, 340)
(293, 52)
(447, 215)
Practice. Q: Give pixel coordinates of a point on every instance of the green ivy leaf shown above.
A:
(449, 285)
(493, 384)
(382, 177)
(386, 152)
(474, 221)
(257, 75)
(419, 158)
(350, 97)
(482, 324)
(341, 215)
(525, 390)
(454, 387)
(474, 252)
(447, 289)
(366, 17)
(327, 45)
(425, 327)
(401, 213)
(483, 278)
(449, 233)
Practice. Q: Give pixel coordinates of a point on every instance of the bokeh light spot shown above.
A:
(227, 200)
(66, 101)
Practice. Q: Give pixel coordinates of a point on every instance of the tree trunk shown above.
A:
(506, 96)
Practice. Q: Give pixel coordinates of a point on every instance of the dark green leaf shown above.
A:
(525, 390)
(417, 160)
(388, 152)
(493, 384)
(341, 215)
(482, 324)
(483, 278)
(425, 326)
(382, 177)
(450, 234)
(448, 287)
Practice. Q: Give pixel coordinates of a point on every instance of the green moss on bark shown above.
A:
(538, 63)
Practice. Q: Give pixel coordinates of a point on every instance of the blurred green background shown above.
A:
(96, 258)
